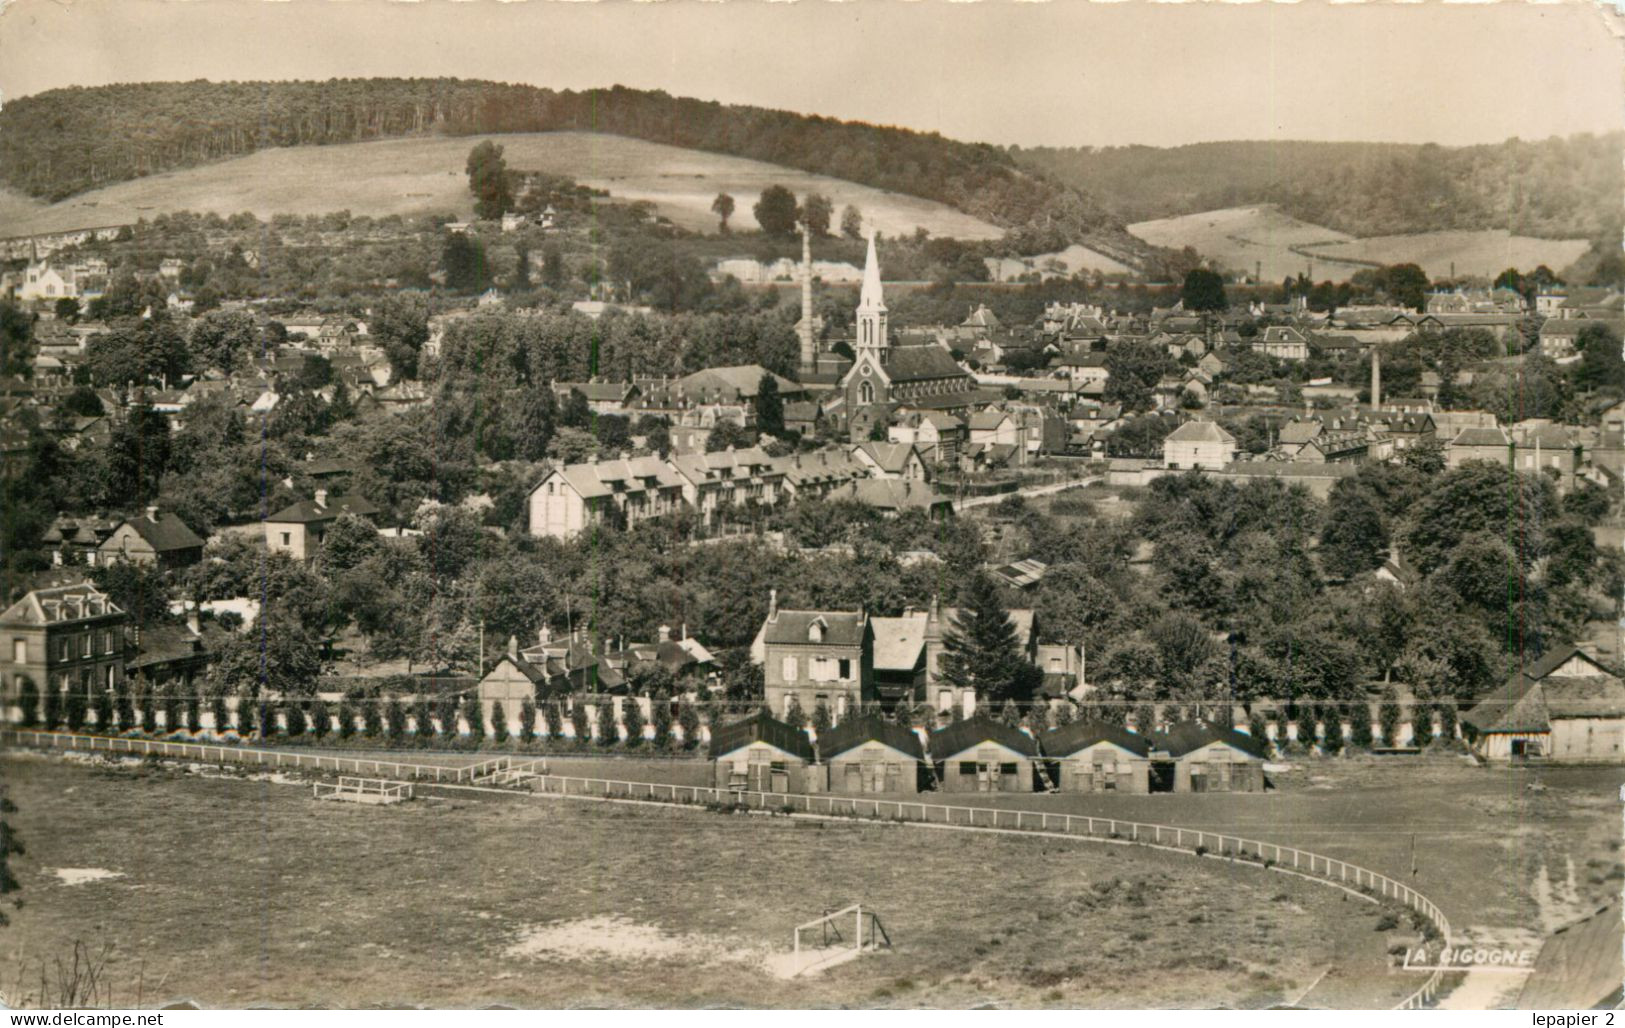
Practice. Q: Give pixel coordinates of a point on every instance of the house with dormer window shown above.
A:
(813, 657)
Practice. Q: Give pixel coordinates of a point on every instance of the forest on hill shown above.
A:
(1555, 188)
(65, 141)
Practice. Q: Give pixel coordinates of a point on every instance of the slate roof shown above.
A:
(761, 728)
(1480, 437)
(1079, 735)
(890, 494)
(1298, 432)
(913, 363)
(951, 740)
(537, 675)
(899, 642)
(1186, 736)
(307, 512)
(855, 731)
(59, 605)
(739, 381)
(166, 534)
(1200, 432)
(841, 628)
(165, 644)
(890, 457)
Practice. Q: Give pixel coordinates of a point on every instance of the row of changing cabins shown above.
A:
(872, 755)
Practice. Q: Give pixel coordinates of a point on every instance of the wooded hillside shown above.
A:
(1557, 188)
(65, 141)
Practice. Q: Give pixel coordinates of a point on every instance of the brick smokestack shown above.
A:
(809, 346)
(1376, 379)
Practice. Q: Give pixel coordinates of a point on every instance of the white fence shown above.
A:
(209, 753)
(362, 790)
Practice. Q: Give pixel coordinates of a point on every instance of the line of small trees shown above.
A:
(1298, 727)
(135, 705)
(452, 719)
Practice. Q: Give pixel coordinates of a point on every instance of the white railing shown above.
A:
(362, 787)
(1218, 844)
(223, 754)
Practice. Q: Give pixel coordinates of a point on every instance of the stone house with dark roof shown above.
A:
(980, 754)
(1566, 707)
(62, 637)
(1097, 756)
(299, 528)
(870, 754)
(157, 539)
(763, 754)
(815, 656)
(511, 681)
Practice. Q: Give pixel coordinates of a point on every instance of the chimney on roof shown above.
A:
(321, 497)
(685, 631)
(513, 647)
(772, 604)
(152, 513)
(665, 633)
(544, 635)
(192, 619)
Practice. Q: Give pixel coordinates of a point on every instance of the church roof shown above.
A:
(923, 361)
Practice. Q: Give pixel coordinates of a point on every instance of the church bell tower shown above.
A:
(872, 309)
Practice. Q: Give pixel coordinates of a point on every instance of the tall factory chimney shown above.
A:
(1376, 379)
(809, 346)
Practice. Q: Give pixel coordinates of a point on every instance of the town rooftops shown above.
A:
(1080, 735)
(855, 731)
(761, 728)
(951, 740)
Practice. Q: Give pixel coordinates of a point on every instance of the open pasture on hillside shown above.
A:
(1238, 238)
(236, 890)
(412, 176)
(1485, 254)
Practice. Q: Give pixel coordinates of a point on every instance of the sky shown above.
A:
(1058, 73)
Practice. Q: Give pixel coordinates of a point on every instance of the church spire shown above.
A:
(871, 304)
(871, 297)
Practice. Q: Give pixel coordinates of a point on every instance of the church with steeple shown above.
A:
(886, 374)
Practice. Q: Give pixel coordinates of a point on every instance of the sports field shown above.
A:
(237, 891)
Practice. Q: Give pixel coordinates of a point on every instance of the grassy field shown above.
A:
(1486, 253)
(236, 891)
(408, 176)
(1238, 238)
(1500, 857)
